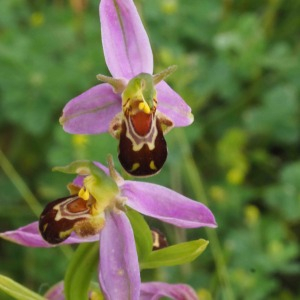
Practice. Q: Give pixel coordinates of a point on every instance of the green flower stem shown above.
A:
(195, 179)
(17, 291)
(25, 192)
(179, 233)
(79, 274)
(270, 17)
(20, 185)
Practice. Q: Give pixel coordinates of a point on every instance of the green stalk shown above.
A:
(25, 192)
(20, 185)
(196, 181)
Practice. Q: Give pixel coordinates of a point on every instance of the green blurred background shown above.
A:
(239, 70)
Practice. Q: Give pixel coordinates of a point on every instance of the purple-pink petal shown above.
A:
(166, 205)
(173, 106)
(157, 290)
(119, 273)
(125, 42)
(92, 111)
(56, 292)
(29, 236)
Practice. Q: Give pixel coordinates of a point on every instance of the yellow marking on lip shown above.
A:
(135, 166)
(155, 237)
(152, 165)
(64, 234)
(45, 227)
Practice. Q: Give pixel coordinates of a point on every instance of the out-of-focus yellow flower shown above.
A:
(251, 214)
(275, 248)
(37, 19)
(79, 140)
(96, 296)
(231, 155)
(204, 294)
(37, 79)
(243, 278)
(235, 176)
(169, 7)
(217, 193)
(166, 56)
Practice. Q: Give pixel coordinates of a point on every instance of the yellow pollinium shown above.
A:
(144, 107)
(84, 194)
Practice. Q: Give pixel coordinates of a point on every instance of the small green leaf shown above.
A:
(17, 291)
(80, 271)
(174, 255)
(142, 234)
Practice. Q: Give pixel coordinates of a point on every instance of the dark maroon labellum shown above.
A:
(59, 217)
(142, 147)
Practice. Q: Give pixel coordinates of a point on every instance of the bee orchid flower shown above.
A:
(134, 105)
(96, 211)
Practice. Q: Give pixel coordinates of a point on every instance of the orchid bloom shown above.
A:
(149, 291)
(96, 210)
(136, 107)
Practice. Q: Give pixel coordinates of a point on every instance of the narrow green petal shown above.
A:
(174, 255)
(157, 78)
(80, 167)
(17, 291)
